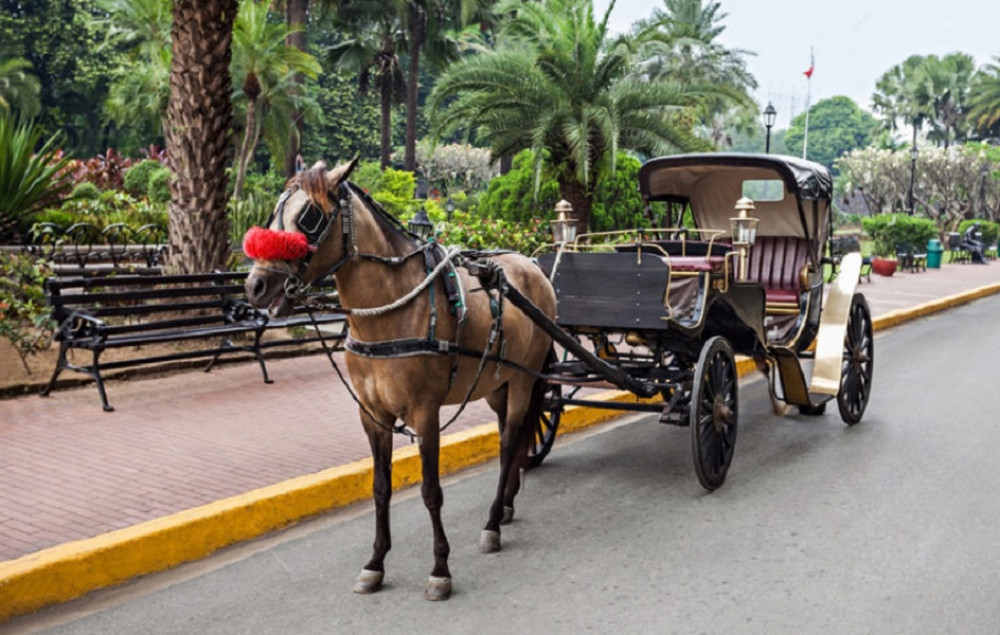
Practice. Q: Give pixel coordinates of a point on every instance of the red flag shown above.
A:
(812, 65)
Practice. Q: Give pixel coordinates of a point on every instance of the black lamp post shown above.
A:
(770, 114)
(421, 224)
(449, 207)
(913, 169)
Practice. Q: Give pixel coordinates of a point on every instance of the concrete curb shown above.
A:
(61, 573)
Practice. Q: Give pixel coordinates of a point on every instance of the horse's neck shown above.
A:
(363, 283)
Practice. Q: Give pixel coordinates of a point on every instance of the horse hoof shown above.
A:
(437, 589)
(368, 582)
(489, 541)
(508, 515)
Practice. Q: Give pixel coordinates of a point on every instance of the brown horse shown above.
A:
(403, 358)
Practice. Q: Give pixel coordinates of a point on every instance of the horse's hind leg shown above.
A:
(439, 583)
(518, 397)
(497, 401)
(380, 439)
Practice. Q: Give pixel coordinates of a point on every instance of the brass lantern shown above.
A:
(564, 227)
(744, 231)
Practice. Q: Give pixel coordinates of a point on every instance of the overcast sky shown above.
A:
(855, 41)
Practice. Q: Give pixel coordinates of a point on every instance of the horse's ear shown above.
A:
(339, 174)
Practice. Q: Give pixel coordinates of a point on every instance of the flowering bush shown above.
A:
(475, 232)
(24, 318)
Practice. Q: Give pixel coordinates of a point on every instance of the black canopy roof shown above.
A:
(805, 179)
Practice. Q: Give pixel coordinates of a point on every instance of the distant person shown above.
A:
(300, 163)
(971, 242)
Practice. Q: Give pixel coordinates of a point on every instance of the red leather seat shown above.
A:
(714, 264)
(776, 263)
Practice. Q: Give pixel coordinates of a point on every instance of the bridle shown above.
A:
(315, 224)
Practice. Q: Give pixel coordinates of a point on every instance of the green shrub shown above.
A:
(159, 186)
(512, 197)
(137, 177)
(86, 190)
(24, 317)
(888, 230)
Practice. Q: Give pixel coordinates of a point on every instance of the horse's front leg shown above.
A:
(439, 583)
(380, 439)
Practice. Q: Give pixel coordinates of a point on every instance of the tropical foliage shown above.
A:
(30, 179)
(560, 85)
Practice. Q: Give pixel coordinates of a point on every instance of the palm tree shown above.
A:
(266, 67)
(199, 133)
(557, 84)
(19, 89)
(984, 101)
(296, 17)
(139, 93)
(377, 33)
(681, 44)
(927, 89)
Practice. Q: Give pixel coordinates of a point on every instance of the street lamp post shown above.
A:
(769, 116)
(449, 207)
(913, 171)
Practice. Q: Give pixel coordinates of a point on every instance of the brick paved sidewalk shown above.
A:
(70, 471)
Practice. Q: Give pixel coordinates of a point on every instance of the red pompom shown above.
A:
(269, 244)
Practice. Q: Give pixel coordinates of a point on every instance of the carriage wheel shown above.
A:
(548, 423)
(714, 412)
(859, 355)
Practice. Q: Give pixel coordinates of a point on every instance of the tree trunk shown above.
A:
(198, 133)
(418, 26)
(577, 196)
(385, 152)
(296, 14)
(243, 159)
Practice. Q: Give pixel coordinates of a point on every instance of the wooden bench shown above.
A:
(101, 312)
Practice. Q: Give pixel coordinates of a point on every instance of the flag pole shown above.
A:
(808, 74)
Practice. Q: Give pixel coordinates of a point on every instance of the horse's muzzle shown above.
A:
(265, 292)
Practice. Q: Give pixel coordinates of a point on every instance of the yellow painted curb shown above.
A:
(67, 571)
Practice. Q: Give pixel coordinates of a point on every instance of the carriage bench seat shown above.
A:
(97, 313)
(776, 264)
(712, 264)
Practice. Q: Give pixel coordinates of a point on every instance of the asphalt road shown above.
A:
(891, 526)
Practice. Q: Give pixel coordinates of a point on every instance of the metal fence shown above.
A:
(84, 245)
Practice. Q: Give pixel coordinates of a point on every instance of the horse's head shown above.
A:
(302, 239)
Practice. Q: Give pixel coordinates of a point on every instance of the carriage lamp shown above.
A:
(744, 230)
(421, 224)
(564, 227)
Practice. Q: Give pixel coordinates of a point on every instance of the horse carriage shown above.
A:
(671, 307)
(661, 312)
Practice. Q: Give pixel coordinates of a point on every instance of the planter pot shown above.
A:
(883, 267)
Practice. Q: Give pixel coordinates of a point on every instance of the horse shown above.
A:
(410, 350)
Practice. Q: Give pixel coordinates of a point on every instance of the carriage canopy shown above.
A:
(792, 196)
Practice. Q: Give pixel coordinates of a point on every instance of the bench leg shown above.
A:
(60, 365)
(260, 356)
(100, 383)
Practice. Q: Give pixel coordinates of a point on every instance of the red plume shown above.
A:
(269, 244)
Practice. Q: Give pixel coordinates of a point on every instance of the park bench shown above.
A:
(911, 258)
(97, 313)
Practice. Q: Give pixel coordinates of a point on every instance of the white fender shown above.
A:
(833, 327)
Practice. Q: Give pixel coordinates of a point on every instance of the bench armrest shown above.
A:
(81, 326)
